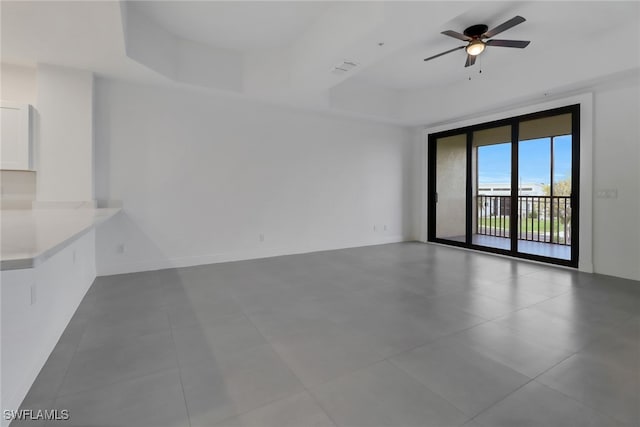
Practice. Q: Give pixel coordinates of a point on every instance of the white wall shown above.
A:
(64, 148)
(202, 177)
(18, 84)
(37, 304)
(616, 228)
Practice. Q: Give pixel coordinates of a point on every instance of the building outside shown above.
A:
(494, 198)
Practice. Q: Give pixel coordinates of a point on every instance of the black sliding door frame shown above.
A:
(514, 122)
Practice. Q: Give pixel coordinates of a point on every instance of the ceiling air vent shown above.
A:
(344, 67)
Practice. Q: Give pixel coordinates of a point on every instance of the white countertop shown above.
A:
(28, 237)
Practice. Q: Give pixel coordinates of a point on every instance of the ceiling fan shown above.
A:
(475, 35)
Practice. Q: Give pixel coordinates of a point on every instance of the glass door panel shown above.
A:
(562, 188)
(491, 160)
(451, 188)
(544, 187)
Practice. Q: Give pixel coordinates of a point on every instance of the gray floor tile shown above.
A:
(509, 347)
(328, 352)
(121, 329)
(549, 330)
(435, 317)
(429, 285)
(189, 294)
(124, 304)
(396, 332)
(562, 276)
(154, 400)
(616, 350)
(574, 306)
(136, 287)
(227, 336)
(231, 385)
(290, 293)
(296, 411)
(504, 291)
(476, 304)
(363, 281)
(536, 285)
(535, 405)
(303, 318)
(201, 312)
(384, 395)
(197, 277)
(109, 364)
(247, 334)
(463, 376)
(393, 324)
(602, 386)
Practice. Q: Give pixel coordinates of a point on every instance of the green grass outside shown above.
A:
(504, 223)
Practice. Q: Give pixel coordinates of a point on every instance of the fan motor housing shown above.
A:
(475, 31)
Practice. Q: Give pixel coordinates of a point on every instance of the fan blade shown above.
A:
(471, 59)
(504, 26)
(521, 44)
(456, 35)
(444, 53)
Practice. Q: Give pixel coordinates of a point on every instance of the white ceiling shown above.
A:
(241, 25)
(283, 52)
(85, 35)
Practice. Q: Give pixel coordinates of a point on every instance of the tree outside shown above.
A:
(561, 211)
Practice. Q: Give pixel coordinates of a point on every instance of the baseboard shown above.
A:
(189, 261)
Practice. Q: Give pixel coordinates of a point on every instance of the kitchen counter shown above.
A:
(29, 237)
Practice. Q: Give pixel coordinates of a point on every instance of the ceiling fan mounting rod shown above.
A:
(476, 31)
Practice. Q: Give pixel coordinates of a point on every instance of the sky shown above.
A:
(494, 161)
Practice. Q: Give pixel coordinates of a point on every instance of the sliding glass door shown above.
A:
(491, 192)
(509, 186)
(451, 188)
(545, 177)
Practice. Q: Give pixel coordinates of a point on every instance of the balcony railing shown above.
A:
(540, 218)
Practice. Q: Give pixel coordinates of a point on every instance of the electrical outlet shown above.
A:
(33, 297)
(120, 248)
(607, 194)
(261, 237)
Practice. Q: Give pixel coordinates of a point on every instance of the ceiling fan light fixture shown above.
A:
(475, 35)
(475, 47)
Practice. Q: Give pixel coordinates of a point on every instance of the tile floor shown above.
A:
(392, 335)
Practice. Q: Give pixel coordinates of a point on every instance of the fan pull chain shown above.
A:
(480, 68)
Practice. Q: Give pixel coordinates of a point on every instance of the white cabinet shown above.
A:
(16, 136)
(36, 305)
